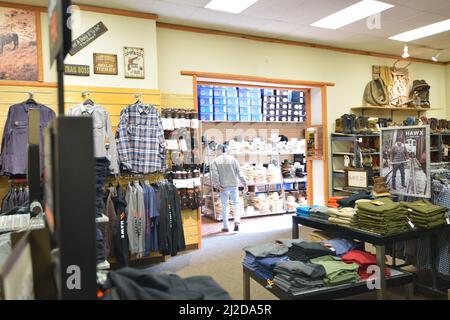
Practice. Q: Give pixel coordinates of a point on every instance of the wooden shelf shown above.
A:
(393, 108)
(254, 122)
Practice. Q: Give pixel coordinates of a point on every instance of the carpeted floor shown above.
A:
(221, 256)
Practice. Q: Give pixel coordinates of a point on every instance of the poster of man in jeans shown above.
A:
(406, 160)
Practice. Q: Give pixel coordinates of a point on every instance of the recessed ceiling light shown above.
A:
(232, 6)
(423, 31)
(356, 12)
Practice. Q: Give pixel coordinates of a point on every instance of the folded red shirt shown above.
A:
(364, 260)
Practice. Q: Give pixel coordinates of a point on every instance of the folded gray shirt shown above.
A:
(267, 250)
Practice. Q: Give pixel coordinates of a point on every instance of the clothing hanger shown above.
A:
(138, 97)
(87, 101)
(31, 99)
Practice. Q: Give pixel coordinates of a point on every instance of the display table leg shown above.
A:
(246, 286)
(295, 232)
(381, 263)
(409, 291)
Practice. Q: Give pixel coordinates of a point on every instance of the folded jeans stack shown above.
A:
(382, 216)
(364, 260)
(304, 211)
(262, 259)
(341, 246)
(295, 277)
(306, 251)
(424, 214)
(345, 217)
(337, 271)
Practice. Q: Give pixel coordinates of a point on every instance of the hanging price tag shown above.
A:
(411, 224)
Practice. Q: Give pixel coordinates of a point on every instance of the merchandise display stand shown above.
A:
(398, 278)
(380, 242)
(338, 169)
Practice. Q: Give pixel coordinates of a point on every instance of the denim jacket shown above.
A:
(13, 157)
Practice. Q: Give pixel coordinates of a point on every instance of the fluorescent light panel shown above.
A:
(356, 12)
(232, 6)
(423, 32)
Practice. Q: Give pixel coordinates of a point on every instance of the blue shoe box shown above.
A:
(206, 91)
(257, 117)
(233, 117)
(207, 116)
(232, 93)
(220, 116)
(220, 92)
(233, 102)
(220, 108)
(220, 101)
(246, 117)
(245, 111)
(205, 101)
(244, 102)
(207, 109)
(232, 109)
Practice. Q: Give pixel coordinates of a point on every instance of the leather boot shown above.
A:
(442, 126)
(347, 124)
(365, 121)
(424, 120)
(339, 126)
(358, 126)
(380, 187)
(352, 121)
(433, 125)
(373, 125)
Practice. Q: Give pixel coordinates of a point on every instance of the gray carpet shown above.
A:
(221, 255)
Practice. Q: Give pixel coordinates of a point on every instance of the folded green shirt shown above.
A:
(423, 206)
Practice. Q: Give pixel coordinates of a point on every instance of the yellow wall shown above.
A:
(180, 50)
(122, 31)
(447, 85)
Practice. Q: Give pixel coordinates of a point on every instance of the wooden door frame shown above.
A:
(290, 85)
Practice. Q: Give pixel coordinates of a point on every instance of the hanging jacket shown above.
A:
(13, 157)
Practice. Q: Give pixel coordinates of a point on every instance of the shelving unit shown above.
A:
(392, 109)
(438, 140)
(340, 142)
(211, 194)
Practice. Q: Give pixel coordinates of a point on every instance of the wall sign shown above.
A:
(134, 63)
(87, 38)
(357, 178)
(105, 64)
(76, 70)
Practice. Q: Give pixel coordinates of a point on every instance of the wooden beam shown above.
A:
(118, 12)
(235, 77)
(23, 6)
(29, 84)
(326, 158)
(291, 42)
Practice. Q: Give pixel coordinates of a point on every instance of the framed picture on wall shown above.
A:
(406, 160)
(134, 63)
(20, 44)
(105, 64)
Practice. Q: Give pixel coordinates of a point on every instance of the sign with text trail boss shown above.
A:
(105, 64)
(87, 38)
(76, 70)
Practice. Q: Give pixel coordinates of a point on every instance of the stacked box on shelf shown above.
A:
(298, 106)
(206, 102)
(232, 104)
(250, 104)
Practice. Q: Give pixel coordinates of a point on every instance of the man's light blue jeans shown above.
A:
(236, 201)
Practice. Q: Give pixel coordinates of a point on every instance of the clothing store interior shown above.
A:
(225, 150)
